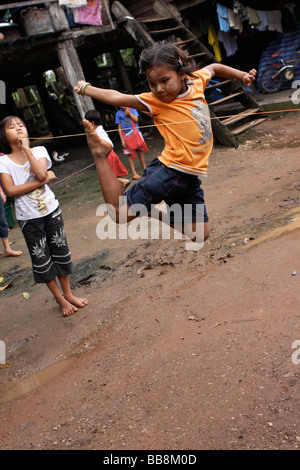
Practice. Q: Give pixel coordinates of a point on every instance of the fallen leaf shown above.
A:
(4, 287)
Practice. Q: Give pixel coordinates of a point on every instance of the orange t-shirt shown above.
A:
(185, 126)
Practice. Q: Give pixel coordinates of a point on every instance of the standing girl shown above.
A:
(24, 176)
(179, 109)
(126, 118)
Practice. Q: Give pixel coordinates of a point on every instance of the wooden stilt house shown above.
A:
(40, 37)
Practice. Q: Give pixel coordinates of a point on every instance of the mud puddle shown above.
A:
(85, 272)
(263, 229)
(294, 224)
(35, 380)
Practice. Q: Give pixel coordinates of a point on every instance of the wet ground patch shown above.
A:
(85, 271)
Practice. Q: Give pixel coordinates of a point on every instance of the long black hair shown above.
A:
(163, 53)
(5, 147)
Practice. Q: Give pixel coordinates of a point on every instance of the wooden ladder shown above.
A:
(233, 110)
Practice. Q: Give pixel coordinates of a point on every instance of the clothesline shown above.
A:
(150, 125)
(169, 123)
(92, 164)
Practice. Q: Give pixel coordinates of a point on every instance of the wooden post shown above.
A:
(44, 95)
(222, 134)
(69, 59)
(107, 11)
(122, 70)
(58, 17)
(73, 71)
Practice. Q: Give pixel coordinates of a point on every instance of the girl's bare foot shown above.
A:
(98, 147)
(66, 307)
(12, 253)
(124, 182)
(76, 301)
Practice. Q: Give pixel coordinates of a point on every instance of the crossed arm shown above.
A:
(15, 190)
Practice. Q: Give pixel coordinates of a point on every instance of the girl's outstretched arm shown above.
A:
(225, 71)
(108, 96)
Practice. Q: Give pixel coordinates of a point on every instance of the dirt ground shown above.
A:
(177, 349)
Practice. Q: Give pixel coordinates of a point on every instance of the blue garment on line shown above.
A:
(222, 12)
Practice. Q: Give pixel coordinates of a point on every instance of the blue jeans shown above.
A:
(174, 187)
(3, 222)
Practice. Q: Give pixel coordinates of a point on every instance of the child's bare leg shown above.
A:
(195, 231)
(132, 168)
(69, 296)
(100, 150)
(111, 189)
(142, 158)
(66, 307)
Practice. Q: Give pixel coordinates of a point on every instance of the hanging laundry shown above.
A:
(72, 3)
(234, 21)
(213, 41)
(222, 12)
(252, 16)
(229, 42)
(89, 14)
(264, 22)
(69, 12)
(239, 8)
(274, 17)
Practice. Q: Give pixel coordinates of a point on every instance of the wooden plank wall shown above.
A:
(140, 9)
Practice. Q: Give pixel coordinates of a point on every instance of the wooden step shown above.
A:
(184, 42)
(239, 116)
(155, 19)
(226, 98)
(199, 54)
(248, 125)
(167, 31)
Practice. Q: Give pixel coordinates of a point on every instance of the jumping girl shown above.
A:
(179, 109)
